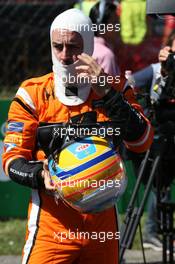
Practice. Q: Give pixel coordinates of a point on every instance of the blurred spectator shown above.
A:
(133, 21)
(145, 81)
(105, 39)
(85, 5)
(168, 28)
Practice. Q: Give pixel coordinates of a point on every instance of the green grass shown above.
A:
(12, 234)
(7, 93)
(137, 241)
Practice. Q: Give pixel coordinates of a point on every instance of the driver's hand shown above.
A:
(163, 54)
(91, 69)
(45, 174)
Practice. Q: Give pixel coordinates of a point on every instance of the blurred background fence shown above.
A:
(25, 43)
(24, 40)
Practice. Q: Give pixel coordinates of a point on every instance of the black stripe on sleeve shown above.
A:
(24, 106)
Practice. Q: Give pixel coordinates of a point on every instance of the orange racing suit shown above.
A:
(54, 231)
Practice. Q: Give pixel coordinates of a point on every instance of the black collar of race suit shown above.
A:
(71, 91)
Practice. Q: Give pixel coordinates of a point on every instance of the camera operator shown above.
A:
(147, 83)
(165, 106)
(166, 88)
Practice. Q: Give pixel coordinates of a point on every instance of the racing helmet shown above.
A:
(88, 173)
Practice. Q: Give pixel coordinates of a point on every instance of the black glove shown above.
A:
(26, 173)
(120, 111)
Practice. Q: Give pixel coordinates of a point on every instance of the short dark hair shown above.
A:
(94, 13)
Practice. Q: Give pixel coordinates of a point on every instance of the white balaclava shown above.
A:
(73, 20)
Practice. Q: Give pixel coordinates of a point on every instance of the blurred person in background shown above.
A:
(106, 35)
(169, 26)
(85, 5)
(145, 81)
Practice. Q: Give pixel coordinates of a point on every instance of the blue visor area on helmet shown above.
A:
(65, 174)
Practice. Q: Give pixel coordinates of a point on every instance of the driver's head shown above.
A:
(71, 34)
